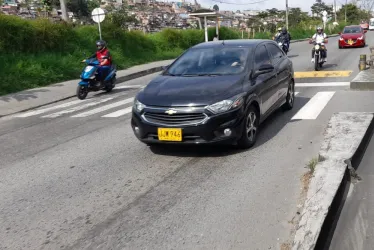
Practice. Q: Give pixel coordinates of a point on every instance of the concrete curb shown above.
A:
(120, 79)
(363, 81)
(343, 137)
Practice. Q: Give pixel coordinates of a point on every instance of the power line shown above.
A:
(218, 1)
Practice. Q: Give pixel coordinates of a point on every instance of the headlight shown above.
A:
(138, 106)
(361, 37)
(341, 39)
(316, 47)
(280, 44)
(226, 105)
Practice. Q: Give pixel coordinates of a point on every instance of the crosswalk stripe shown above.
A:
(119, 113)
(129, 87)
(323, 84)
(63, 112)
(314, 107)
(41, 111)
(103, 108)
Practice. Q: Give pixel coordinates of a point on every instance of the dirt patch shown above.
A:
(285, 246)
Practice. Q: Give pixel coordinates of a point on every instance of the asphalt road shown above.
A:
(76, 180)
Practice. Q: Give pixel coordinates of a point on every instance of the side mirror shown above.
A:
(365, 31)
(339, 33)
(265, 68)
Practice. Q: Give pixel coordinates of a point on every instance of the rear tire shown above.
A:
(250, 128)
(111, 86)
(82, 92)
(290, 98)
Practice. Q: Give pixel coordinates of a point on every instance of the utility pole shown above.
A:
(345, 11)
(63, 11)
(287, 14)
(335, 9)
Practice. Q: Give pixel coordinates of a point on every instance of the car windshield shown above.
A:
(210, 61)
(352, 30)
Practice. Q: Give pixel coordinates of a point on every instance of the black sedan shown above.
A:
(215, 92)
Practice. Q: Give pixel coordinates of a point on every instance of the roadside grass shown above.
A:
(312, 164)
(36, 53)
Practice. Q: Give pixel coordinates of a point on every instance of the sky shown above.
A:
(279, 4)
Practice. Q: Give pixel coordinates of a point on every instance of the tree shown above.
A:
(354, 14)
(215, 7)
(296, 16)
(367, 5)
(78, 7)
(318, 8)
(121, 18)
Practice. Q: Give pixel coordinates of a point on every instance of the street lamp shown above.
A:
(287, 14)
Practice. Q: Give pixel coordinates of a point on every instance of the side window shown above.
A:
(275, 51)
(261, 57)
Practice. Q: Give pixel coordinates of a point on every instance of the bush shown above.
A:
(35, 53)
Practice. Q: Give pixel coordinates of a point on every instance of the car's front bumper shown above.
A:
(355, 43)
(209, 131)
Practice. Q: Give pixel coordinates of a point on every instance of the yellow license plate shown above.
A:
(170, 134)
(350, 42)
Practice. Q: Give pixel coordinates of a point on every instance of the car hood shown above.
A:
(170, 91)
(351, 35)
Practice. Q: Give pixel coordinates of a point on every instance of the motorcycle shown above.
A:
(90, 82)
(318, 59)
(282, 45)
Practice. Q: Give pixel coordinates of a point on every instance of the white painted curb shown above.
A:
(343, 135)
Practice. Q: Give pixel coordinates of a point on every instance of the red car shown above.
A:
(352, 36)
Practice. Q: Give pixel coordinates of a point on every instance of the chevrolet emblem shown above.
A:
(170, 112)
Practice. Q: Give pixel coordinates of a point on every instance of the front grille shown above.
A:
(174, 119)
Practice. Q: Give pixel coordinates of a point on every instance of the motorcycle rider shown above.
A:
(320, 37)
(285, 36)
(105, 59)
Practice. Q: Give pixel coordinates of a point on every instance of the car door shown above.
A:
(280, 63)
(266, 84)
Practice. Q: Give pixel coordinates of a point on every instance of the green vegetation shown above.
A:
(36, 53)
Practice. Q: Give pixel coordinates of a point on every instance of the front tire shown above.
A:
(251, 124)
(316, 63)
(290, 98)
(82, 92)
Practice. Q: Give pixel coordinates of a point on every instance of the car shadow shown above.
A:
(329, 66)
(268, 129)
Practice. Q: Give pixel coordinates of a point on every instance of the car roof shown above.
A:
(232, 43)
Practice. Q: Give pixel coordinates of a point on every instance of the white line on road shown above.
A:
(119, 112)
(57, 114)
(40, 111)
(296, 93)
(322, 84)
(315, 105)
(128, 87)
(103, 108)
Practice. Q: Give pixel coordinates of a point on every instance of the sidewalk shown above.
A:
(37, 97)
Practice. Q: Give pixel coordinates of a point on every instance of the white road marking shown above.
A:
(41, 111)
(103, 108)
(296, 93)
(128, 87)
(119, 112)
(63, 112)
(322, 84)
(315, 105)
